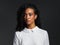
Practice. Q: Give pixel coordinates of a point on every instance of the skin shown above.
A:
(30, 18)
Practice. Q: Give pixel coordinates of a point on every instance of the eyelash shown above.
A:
(29, 14)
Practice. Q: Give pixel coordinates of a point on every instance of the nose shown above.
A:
(27, 16)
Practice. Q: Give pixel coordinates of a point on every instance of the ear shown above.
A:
(35, 17)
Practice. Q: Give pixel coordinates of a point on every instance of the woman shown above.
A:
(28, 24)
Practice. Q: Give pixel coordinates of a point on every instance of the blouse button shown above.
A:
(31, 30)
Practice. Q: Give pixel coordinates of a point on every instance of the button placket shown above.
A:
(32, 30)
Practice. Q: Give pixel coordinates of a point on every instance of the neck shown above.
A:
(31, 26)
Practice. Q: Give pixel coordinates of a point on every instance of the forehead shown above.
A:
(31, 10)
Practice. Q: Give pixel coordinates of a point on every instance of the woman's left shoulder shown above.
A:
(43, 31)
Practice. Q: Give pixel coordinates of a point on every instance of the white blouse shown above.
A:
(34, 36)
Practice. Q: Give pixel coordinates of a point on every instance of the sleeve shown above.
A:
(46, 41)
(16, 41)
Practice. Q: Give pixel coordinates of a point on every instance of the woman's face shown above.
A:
(29, 16)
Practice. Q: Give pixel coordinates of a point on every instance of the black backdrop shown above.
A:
(49, 18)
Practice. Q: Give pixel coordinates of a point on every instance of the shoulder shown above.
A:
(18, 33)
(43, 31)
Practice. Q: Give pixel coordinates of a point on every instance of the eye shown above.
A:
(25, 14)
(30, 14)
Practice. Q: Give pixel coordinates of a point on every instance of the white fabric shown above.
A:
(34, 36)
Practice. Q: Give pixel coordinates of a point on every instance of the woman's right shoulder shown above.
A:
(18, 33)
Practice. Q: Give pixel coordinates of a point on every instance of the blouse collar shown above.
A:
(31, 30)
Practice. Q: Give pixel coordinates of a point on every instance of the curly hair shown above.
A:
(20, 14)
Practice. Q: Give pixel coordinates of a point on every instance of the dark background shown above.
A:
(50, 19)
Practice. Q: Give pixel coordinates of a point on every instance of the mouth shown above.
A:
(28, 21)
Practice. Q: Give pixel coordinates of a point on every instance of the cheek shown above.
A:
(32, 18)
